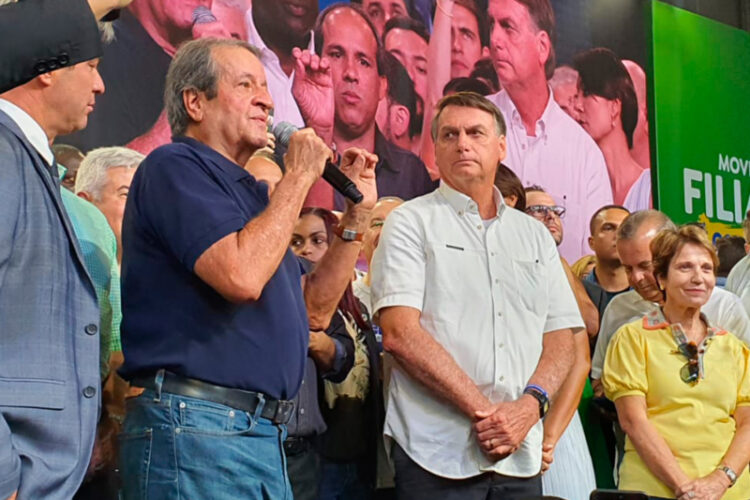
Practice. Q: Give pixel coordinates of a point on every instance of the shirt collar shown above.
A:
(543, 124)
(462, 203)
(30, 128)
(234, 171)
(655, 320)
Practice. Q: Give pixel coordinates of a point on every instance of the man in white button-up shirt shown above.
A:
(475, 308)
(545, 145)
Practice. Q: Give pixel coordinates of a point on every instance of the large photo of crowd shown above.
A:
(193, 304)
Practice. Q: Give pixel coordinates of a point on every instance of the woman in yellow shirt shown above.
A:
(682, 386)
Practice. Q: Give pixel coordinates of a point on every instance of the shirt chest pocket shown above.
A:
(454, 271)
(527, 285)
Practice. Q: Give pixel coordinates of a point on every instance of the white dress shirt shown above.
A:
(639, 194)
(738, 281)
(723, 310)
(487, 292)
(279, 84)
(564, 160)
(30, 128)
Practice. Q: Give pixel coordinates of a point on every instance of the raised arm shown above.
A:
(438, 75)
(326, 284)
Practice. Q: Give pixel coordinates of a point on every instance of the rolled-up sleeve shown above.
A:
(398, 266)
(625, 365)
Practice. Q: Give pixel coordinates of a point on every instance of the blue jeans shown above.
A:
(178, 448)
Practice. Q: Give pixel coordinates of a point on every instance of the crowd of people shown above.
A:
(199, 314)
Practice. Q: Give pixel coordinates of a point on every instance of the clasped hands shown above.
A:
(710, 487)
(503, 426)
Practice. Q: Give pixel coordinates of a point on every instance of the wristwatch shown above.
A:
(348, 234)
(730, 474)
(540, 395)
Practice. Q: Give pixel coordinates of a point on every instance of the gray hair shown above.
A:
(92, 174)
(563, 75)
(194, 68)
(633, 222)
(468, 100)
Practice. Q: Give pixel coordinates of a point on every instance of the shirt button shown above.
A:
(492, 253)
(91, 329)
(499, 314)
(497, 281)
(303, 382)
(460, 212)
(479, 227)
(89, 392)
(501, 378)
(301, 411)
(500, 345)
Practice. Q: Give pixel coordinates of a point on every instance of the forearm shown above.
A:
(565, 403)
(264, 240)
(555, 361)
(322, 350)
(425, 360)
(651, 447)
(588, 310)
(738, 454)
(327, 282)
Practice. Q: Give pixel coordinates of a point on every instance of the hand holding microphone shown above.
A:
(359, 163)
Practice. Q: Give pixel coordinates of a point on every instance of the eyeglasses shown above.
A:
(690, 371)
(541, 212)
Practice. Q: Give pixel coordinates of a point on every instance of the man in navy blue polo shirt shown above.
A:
(216, 316)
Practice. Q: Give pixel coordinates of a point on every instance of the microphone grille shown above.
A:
(283, 132)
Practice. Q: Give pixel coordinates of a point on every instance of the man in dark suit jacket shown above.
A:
(49, 361)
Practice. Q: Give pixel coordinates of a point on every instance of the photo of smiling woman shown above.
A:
(680, 385)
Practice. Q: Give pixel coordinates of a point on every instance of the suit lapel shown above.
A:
(51, 186)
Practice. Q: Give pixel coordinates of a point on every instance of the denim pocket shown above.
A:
(212, 419)
(135, 461)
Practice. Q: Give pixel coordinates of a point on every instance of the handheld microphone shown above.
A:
(333, 176)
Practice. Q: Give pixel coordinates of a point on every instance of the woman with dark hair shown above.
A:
(608, 111)
(510, 187)
(352, 408)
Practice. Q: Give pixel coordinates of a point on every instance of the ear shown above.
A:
(399, 120)
(544, 46)
(383, 88)
(194, 102)
(86, 196)
(615, 109)
(46, 79)
(503, 148)
(747, 248)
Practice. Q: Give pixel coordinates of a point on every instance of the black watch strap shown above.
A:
(541, 396)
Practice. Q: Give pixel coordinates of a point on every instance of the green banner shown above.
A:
(701, 112)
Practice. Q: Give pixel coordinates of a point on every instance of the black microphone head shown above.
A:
(283, 132)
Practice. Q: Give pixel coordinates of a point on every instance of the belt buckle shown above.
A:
(284, 411)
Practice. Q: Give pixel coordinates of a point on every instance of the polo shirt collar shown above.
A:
(31, 129)
(461, 203)
(234, 171)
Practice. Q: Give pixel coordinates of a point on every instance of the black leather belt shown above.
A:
(276, 410)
